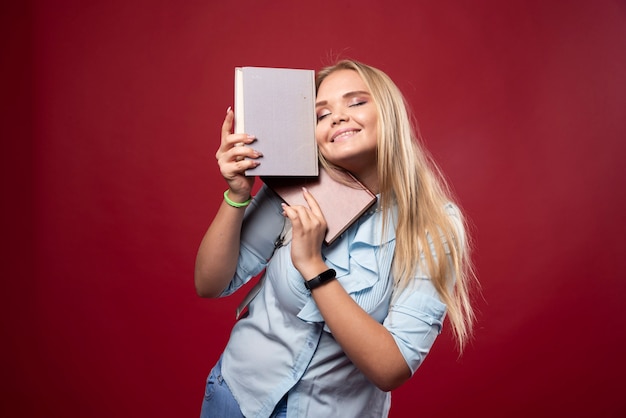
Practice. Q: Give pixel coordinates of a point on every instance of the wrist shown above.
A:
(236, 201)
(311, 268)
(321, 279)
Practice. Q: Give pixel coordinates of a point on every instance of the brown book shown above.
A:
(277, 105)
(342, 201)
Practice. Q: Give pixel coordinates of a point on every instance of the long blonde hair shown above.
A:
(410, 180)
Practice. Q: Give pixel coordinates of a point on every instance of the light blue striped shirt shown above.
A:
(283, 346)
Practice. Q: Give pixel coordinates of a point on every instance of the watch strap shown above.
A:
(320, 279)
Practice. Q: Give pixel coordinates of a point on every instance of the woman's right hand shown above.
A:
(234, 157)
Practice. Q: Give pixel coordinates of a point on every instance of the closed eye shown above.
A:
(360, 103)
(356, 103)
(322, 116)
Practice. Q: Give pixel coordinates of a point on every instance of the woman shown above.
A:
(335, 328)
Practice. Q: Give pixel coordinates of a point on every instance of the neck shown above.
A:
(369, 180)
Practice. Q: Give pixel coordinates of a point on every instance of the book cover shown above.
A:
(277, 105)
(342, 200)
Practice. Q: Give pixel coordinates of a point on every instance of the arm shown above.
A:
(368, 344)
(219, 249)
(217, 256)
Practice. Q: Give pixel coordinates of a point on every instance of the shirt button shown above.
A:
(311, 345)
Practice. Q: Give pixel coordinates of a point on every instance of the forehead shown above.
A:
(341, 82)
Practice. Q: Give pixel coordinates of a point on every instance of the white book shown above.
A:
(277, 106)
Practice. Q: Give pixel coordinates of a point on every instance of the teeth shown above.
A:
(346, 134)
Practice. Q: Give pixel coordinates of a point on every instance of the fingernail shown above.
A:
(228, 110)
(305, 190)
(251, 137)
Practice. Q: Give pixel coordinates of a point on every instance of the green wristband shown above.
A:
(236, 204)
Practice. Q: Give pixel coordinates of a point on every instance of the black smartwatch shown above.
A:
(317, 281)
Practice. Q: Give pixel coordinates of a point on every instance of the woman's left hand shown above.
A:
(308, 231)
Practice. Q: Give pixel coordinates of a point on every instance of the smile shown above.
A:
(339, 135)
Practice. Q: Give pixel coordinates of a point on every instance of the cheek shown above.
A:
(368, 117)
(320, 135)
(321, 143)
(322, 147)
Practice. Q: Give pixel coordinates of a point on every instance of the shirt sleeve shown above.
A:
(415, 320)
(415, 317)
(262, 226)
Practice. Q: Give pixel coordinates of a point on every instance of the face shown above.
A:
(347, 121)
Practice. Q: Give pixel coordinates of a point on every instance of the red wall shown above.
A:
(112, 111)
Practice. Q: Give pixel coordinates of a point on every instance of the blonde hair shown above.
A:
(410, 180)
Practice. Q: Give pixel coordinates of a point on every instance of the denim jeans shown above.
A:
(219, 401)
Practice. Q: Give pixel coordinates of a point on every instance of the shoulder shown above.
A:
(457, 220)
(452, 210)
(266, 195)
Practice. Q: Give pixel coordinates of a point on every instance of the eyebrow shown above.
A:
(345, 96)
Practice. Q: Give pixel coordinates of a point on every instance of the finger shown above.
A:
(234, 139)
(238, 157)
(294, 213)
(238, 140)
(233, 146)
(288, 211)
(227, 125)
(313, 205)
(241, 152)
(235, 166)
(303, 219)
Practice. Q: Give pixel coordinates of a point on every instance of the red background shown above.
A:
(111, 117)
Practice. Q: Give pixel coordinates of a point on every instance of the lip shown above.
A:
(343, 131)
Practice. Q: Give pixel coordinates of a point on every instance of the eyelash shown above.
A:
(360, 103)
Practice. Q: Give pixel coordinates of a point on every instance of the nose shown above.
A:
(338, 117)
